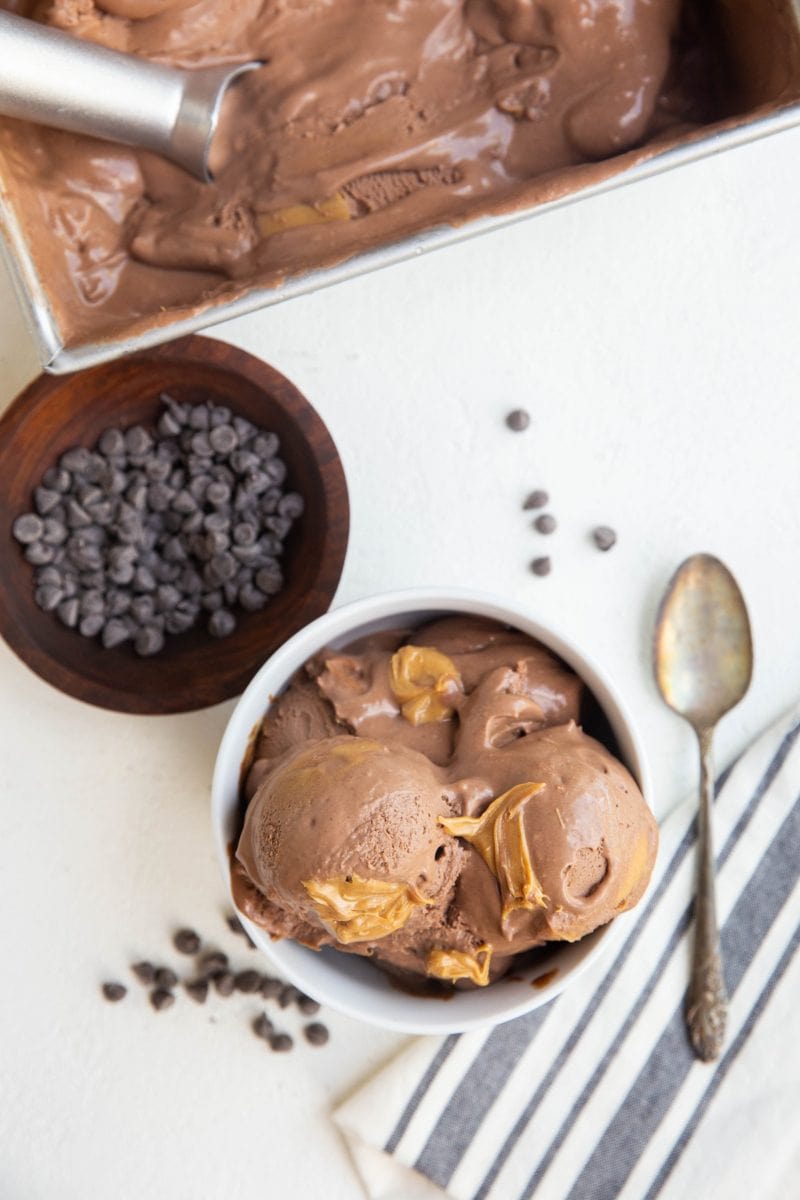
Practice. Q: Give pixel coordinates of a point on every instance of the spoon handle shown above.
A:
(707, 1000)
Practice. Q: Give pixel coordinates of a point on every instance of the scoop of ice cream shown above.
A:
(560, 853)
(342, 836)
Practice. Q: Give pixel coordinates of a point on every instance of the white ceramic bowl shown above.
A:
(350, 983)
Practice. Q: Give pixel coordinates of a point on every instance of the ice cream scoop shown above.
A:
(54, 79)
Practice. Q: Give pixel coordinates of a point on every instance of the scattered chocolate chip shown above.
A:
(281, 1042)
(316, 1033)
(114, 991)
(541, 566)
(160, 998)
(263, 1027)
(197, 989)
(145, 972)
(537, 499)
(271, 988)
(225, 983)
(247, 981)
(307, 1005)
(213, 964)
(186, 941)
(604, 537)
(165, 978)
(287, 995)
(518, 420)
(546, 523)
(235, 926)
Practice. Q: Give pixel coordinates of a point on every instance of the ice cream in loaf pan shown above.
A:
(430, 800)
(369, 121)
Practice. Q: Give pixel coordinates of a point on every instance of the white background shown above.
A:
(654, 335)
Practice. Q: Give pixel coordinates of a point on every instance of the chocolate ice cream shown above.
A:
(367, 122)
(429, 799)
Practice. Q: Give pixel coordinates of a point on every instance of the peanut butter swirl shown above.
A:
(360, 910)
(425, 681)
(499, 837)
(459, 964)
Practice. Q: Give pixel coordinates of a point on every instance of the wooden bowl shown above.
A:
(194, 669)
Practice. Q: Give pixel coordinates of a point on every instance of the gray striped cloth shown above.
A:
(597, 1096)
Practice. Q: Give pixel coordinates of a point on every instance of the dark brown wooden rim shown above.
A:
(328, 545)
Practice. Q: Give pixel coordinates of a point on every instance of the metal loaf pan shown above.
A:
(758, 34)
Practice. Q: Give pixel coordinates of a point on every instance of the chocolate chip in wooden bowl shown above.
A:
(186, 941)
(161, 998)
(114, 991)
(518, 420)
(604, 537)
(316, 1033)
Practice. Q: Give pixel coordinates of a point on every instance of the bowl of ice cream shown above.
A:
(429, 796)
(134, 536)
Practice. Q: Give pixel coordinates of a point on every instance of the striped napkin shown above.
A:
(597, 1096)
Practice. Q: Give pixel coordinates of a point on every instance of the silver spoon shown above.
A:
(54, 79)
(703, 657)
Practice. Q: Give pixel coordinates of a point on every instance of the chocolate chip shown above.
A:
(114, 634)
(145, 972)
(213, 964)
(537, 499)
(37, 553)
(224, 983)
(307, 1005)
(604, 537)
(198, 990)
(247, 981)
(112, 442)
(68, 612)
(218, 493)
(221, 623)
(48, 597)
(316, 1033)
(114, 991)
(281, 1042)
(263, 1027)
(546, 523)
(251, 598)
(148, 641)
(223, 439)
(186, 941)
(91, 624)
(287, 995)
(28, 528)
(199, 417)
(518, 420)
(137, 440)
(541, 566)
(57, 479)
(76, 459)
(165, 978)
(269, 580)
(235, 926)
(291, 506)
(160, 999)
(271, 988)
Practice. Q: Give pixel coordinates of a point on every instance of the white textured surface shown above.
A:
(653, 335)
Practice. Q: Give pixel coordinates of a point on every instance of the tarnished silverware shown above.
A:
(703, 658)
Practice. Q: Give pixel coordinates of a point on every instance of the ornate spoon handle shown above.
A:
(707, 1000)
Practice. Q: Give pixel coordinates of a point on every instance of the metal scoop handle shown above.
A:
(52, 78)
